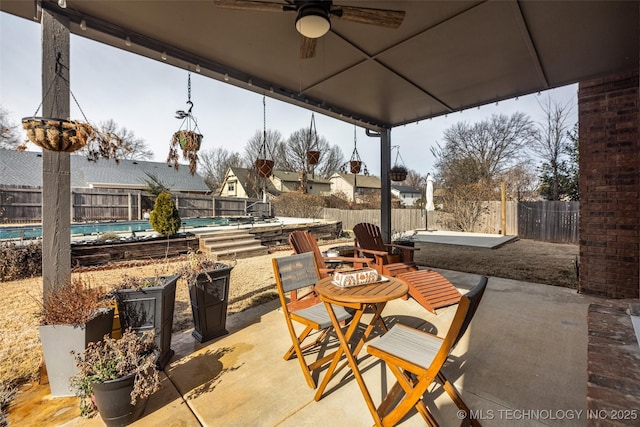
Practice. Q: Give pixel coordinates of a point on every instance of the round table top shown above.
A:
(372, 293)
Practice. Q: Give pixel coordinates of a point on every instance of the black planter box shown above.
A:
(209, 300)
(151, 308)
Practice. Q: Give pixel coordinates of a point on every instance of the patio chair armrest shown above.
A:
(372, 252)
(353, 260)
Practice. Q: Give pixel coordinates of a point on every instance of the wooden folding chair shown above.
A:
(294, 273)
(369, 243)
(416, 358)
(429, 288)
(304, 241)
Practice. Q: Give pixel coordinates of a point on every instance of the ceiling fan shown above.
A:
(314, 17)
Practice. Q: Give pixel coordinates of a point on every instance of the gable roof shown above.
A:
(363, 181)
(25, 168)
(405, 189)
(287, 176)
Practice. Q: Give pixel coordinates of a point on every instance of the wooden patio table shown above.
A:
(375, 295)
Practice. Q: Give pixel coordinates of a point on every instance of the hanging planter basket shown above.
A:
(355, 166)
(398, 173)
(188, 137)
(188, 140)
(57, 134)
(264, 167)
(313, 157)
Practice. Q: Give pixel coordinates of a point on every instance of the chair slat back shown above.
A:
(369, 236)
(303, 241)
(473, 296)
(464, 314)
(295, 271)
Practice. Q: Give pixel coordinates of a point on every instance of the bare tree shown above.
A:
(552, 141)
(480, 152)
(472, 161)
(214, 163)
(331, 161)
(294, 154)
(9, 135)
(521, 181)
(124, 142)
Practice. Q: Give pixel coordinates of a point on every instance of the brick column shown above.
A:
(608, 111)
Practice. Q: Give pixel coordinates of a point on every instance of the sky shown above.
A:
(143, 95)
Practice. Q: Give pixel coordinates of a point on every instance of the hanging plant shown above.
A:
(188, 138)
(398, 172)
(355, 163)
(313, 156)
(263, 165)
(354, 166)
(57, 134)
(66, 135)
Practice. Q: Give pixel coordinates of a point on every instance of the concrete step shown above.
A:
(233, 238)
(244, 252)
(220, 233)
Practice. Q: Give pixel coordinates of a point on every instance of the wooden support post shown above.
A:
(129, 207)
(503, 192)
(385, 185)
(56, 166)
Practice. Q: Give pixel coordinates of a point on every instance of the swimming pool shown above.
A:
(89, 228)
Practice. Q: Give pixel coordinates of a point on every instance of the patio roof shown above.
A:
(444, 57)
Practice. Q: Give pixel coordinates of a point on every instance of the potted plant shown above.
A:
(208, 282)
(354, 166)
(398, 173)
(71, 316)
(189, 142)
(118, 376)
(70, 135)
(264, 167)
(188, 137)
(146, 304)
(313, 157)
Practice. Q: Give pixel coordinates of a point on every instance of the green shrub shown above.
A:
(165, 218)
(19, 261)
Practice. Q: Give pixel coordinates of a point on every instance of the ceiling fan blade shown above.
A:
(262, 6)
(308, 48)
(362, 15)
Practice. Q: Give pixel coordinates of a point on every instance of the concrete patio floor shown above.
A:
(523, 361)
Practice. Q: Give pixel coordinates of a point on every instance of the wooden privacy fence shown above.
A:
(24, 205)
(555, 222)
(401, 219)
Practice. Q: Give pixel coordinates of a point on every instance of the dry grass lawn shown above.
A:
(252, 283)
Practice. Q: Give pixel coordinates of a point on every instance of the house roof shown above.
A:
(443, 57)
(25, 168)
(248, 179)
(405, 189)
(287, 176)
(362, 181)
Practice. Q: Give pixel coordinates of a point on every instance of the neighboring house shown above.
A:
(291, 181)
(408, 195)
(24, 168)
(344, 183)
(245, 183)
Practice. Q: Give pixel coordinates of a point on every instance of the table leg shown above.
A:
(351, 356)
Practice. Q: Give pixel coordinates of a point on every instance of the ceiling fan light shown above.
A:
(313, 21)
